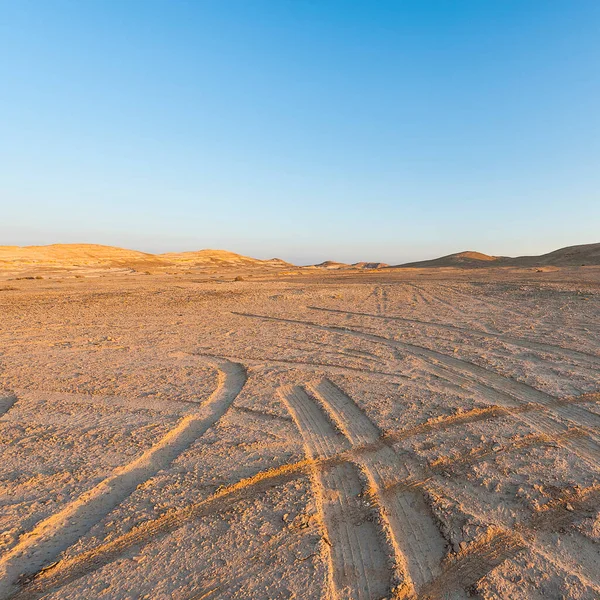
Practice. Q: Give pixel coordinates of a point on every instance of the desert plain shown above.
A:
(223, 428)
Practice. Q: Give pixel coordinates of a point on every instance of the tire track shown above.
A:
(68, 570)
(418, 296)
(500, 304)
(262, 415)
(537, 317)
(418, 544)
(459, 466)
(382, 300)
(348, 351)
(536, 416)
(414, 298)
(298, 363)
(590, 359)
(480, 557)
(379, 298)
(475, 562)
(521, 393)
(224, 499)
(84, 401)
(358, 558)
(476, 414)
(340, 352)
(579, 553)
(429, 301)
(44, 544)
(471, 298)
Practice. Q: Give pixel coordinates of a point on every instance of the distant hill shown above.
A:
(96, 256)
(369, 265)
(72, 256)
(587, 254)
(330, 264)
(460, 259)
(218, 258)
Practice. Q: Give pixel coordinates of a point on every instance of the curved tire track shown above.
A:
(591, 360)
(44, 544)
(521, 393)
(312, 365)
(71, 569)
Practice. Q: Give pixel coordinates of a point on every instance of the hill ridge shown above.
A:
(579, 255)
(104, 256)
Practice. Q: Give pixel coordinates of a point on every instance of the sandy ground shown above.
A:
(428, 434)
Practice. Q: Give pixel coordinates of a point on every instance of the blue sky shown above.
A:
(305, 129)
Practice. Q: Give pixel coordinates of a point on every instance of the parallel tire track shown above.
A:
(67, 570)
(71, 569)
(478, 414)
(44, 544)
(359, 566)
(591, 360)
(536, 416)
(418, 544)
(521, 393)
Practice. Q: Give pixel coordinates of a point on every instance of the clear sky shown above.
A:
(304, 129)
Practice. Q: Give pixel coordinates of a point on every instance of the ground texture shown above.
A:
(406, 434)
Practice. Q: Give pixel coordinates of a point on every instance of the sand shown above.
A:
(408, 433)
